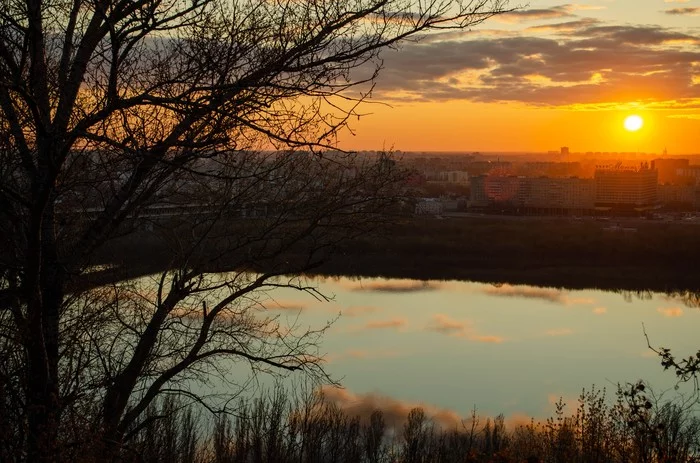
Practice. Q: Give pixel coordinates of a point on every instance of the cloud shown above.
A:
(359, 310)
(537, 14)
(487, 339)
(463, 329)
(676, 1)
(569, 400)
(589, 63)
(690, 299)
(527, 292)
(392, 323)
(445, 325)
(395, 411)
(286, 305)
(683, 11)
(392, 286)
(568, 26)
(671, 312)
(559, 332)
(600, 310)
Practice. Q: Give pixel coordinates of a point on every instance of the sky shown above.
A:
(551, 74)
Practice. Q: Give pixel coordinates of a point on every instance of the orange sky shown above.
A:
(548, 76)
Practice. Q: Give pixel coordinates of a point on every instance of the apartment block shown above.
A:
(626, 187)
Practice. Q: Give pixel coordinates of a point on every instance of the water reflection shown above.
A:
(509, 349)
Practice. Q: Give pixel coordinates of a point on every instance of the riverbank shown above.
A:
(560, 252)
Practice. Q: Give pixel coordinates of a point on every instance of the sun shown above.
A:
(633, 123)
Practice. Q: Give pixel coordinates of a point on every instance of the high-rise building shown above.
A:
(669, 169)
(625, 187)
(534, 194)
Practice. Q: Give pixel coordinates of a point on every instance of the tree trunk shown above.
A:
(42, 386)
(44, 292)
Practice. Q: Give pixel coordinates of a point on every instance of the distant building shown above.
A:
(564, 151)
(459, 177)
(566, 194)
(626, 188)
(678, 196)
(689, 175)
(492, 190)
(429, 206)
(668, 169)
(542, 195)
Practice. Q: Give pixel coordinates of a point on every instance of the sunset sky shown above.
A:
(550, 75)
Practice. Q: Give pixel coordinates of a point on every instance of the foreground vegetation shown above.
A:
(633, 428)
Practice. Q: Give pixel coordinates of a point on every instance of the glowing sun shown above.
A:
(633, 123)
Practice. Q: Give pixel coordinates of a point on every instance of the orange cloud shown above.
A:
(488, 339)
(392, 286)
(286, 305)
(528, 292)
(600, 310)
(464, 329)
(392, 323)
(671, 312)
(445, 325)
(395, 411)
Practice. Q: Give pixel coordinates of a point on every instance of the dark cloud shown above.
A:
(537, 14)
(568, 26)
(527, 292)
(589, 63)
(398, 286)
(688, 11)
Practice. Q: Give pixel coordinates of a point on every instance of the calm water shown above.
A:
(452, 346)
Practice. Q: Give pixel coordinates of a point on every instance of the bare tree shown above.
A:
(207, 118)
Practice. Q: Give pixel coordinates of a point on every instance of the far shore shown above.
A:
(554, 252)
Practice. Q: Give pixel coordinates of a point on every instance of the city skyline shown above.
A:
(550, 74)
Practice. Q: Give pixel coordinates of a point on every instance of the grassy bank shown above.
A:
(543, 251)
(279, 429)
(548, 252)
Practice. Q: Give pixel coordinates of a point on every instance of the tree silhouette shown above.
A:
(203, 122)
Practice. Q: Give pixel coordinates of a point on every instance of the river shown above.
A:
(454, 346)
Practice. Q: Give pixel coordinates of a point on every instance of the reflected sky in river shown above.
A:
(505, 349)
